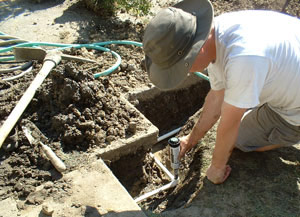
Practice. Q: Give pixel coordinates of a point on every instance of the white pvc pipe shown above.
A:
(151, 193)
(162, 167)
(171, 133)
(173, 182)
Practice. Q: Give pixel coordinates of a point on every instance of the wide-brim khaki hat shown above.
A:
(173, 39)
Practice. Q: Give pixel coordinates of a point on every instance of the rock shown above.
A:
(110, 138)
(3, 192)
(131, 67)
(48, 185)
(37, 197)
(47, 210)
(19, 186)
(76, 205)
(20, 205)
(123, 66)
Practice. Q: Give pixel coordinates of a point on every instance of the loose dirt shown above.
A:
(77, 113)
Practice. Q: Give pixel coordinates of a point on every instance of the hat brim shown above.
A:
(172, 77)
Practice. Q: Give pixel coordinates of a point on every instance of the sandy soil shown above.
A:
(75, 112)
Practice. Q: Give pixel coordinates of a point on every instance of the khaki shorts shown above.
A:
(263, 127)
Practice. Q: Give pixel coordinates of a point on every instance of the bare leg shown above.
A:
(268, 148)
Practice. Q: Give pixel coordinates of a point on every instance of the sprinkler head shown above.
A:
(174, 144)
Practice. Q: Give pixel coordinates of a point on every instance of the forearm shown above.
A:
(226, 137)
(209, 116)
(227, 133)
(225, 141)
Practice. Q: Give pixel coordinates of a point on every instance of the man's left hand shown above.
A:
(218, 175)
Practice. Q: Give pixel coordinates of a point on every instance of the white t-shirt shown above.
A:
(258, 61)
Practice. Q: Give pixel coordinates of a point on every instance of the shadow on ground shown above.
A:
(11, 9)
(69, 21)
(93, 212)
(97, 27)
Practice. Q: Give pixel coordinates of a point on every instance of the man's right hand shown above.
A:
(209, 116)
(185, 145)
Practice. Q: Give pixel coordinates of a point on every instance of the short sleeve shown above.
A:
(244, 80)
(216, 78)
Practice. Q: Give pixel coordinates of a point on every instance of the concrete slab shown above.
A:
(95, 192)
(8, 208)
